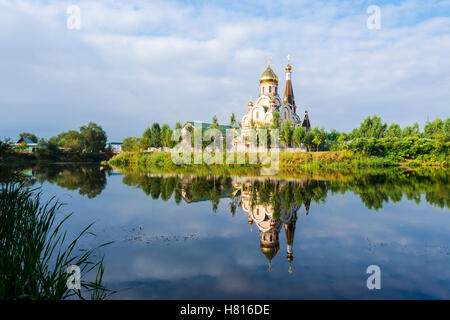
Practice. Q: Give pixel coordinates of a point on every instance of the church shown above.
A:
(269, 101)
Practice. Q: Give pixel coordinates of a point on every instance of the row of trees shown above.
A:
(89, 141)
(372, 137)
(154, 137)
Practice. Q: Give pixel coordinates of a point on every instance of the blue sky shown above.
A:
(136, 62)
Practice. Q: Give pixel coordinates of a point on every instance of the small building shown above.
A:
(115, 147)
(29, 145)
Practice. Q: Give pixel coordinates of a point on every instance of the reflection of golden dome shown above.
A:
(268, 76)
(270, 252)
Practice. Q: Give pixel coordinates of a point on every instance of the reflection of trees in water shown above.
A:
(376, 189)
(89, 180)
(373, 189)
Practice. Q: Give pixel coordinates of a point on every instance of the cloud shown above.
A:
(136, 62)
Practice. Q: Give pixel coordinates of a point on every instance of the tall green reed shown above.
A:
(35, 253)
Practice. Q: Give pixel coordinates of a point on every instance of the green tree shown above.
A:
(5, 147)
(21, 147)
(215, 123)
(394, 130)
(71, 139)
(29, 136)
(433, 128)
(233, 120)
(286, 133)
(371, 127)
(94, 137)
(411, 131)
(275, 120)
(319, 136)
(309, 137)
(130, 144)
(146, 139)
(156, 135)
(298, 137)
(317, 141)
(342, 138)
(166, 136)
(47, 150)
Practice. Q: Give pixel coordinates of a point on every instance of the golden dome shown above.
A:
(270, 251)
(268, 76)
(250, 103)
(272, 100)
(288, 68)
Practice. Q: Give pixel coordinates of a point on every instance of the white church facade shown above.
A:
(269, 101)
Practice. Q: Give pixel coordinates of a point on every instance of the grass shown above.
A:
(34, 253)
(160, 162)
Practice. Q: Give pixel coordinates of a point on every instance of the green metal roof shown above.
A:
(206, 126)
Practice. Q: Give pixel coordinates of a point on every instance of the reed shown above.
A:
(34, 253)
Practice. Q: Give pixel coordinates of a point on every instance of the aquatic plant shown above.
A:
(34, 253)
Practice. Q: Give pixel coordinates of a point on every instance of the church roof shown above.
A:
(288, 96)
(306, 122)
(205, 126)
(268, 76)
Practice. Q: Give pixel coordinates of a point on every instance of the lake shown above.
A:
(192, 237)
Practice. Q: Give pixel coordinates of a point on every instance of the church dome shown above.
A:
(268, 76)
(270, 251)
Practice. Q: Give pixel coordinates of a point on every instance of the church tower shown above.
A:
(289, 229)
(288, 96)
(268, 82)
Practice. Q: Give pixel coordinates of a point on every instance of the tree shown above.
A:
(21, 147)
(215, 123)
(394, 130)
(5, 147)
(411, 131)
(342, 138)
(166, 136)
(71, 139)
(233, 120)
(298, 137)
(47, 149)
(286, 132)
(94, 137)
(433, 128)
(29, 136)
(146, 139)
(317, 140)
(275, 120)
(370, 128)
(156, 135)
(130, 144)
(309, 137)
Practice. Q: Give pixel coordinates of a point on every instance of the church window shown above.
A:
(270, 89)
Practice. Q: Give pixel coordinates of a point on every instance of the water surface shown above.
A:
(256, 238)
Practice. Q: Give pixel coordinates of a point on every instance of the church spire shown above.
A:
(288, 96)
(289, 229)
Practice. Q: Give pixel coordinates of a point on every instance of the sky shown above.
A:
(132, 63)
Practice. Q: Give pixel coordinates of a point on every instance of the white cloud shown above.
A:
(133, 63)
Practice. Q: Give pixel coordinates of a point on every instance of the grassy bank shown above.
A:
(161, 162)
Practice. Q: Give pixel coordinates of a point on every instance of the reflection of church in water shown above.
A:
(269, 226)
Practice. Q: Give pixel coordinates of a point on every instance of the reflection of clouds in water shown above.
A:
(331, 248)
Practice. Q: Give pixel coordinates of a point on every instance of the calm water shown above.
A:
(247, 238)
